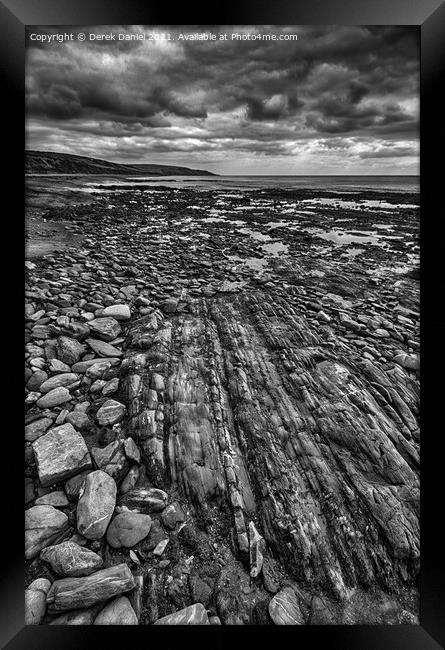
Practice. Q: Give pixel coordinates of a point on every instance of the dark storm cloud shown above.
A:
(174, 97)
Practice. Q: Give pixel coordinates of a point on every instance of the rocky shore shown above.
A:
(222, 409)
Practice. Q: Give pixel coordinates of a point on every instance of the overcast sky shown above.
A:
(339, 100)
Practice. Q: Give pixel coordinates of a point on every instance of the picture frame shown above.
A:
(430, 18)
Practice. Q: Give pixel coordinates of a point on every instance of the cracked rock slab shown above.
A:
(60, 454)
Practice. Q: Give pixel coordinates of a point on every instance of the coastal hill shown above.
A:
(49, 162)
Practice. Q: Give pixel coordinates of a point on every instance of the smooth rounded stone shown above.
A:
(79, 420)
(35, 601)
(192, 615)
(408, 361)
(63, 379)
(72, 593)
(110, 387)
(111, 459)
(103, 348)
(284, 608)
(58, 499)
(105, 328)
(119, 312)
(37, 379)
(130, 480)
(73, 485)
(54, 398)
(68, 559)
(60, 419)
(96, 386)
(42, 525)
(110, 412)
(128, 529)
(118, 612)
(172, 515)
(82, 366)
(37, 428)
(97, 499)
(60, 454)
(132, 450)
(214, 620)
(55, 365)
(146, 499)
(69, 350)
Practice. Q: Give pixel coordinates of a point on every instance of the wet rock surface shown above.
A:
(222, 400)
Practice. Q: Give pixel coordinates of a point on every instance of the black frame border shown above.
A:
(429, 16)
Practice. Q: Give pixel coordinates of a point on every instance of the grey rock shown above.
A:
(43, 524)
(193, 615)
(35, 601)
(97, 499)
(147, 500)
(111, 459)
(118, 612)
(172, 515)
(70, 559)
(119, 312)
(284, 608)
(69, 350)
(63, 379)
(54, 398)
(105, 328)
(37, 428)
(103, 348)
(60, 454)
(110, 412)
(72, 593)
(57, 499)
(128, 529)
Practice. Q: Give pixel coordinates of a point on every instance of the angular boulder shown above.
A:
(284, 608)
(60, 454)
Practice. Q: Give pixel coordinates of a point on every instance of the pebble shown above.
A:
(97, 499)
(128, 529)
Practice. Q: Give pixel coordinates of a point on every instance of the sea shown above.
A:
(342, 184)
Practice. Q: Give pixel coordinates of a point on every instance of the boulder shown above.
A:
(128, 529)
(118, 612)
(70, 559)
(35, 601)
(284, 608)
(97, 499)
(72, 593)
(43, 524)
(60, 454)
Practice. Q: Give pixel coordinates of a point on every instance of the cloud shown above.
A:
(169, 99)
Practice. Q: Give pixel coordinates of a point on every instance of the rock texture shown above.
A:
(226, 420)
(60, 454)
(71, 593)
(96, 503)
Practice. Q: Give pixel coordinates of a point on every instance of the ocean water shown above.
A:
(341, 184)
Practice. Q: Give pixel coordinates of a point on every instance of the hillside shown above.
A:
(49, 162)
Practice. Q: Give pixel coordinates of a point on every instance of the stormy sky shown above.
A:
(338, 100)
